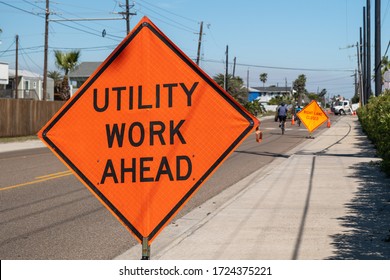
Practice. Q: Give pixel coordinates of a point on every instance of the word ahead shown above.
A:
(142, 167)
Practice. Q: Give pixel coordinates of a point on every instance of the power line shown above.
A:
(78, 18)
(167, 11)
(98, 32)
(20, 9)
(36, 6)
(23, 53)
(334, 79)
(174, 23)
(284, 68)
(1, 54)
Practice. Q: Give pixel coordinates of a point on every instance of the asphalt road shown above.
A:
(46, 213)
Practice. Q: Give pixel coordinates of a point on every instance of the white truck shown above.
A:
(342, 107)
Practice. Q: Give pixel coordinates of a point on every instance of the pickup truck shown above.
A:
(342, 107)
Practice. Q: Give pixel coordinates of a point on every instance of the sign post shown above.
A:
(145, 249)
(146, 130)
(312, 116)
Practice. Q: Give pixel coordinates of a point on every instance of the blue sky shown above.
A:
(283, 38)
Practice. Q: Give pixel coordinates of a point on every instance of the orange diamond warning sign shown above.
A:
(146, 130)
(312, 116)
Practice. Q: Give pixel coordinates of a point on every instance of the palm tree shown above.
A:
(57, 77)
(263, 78)
(299, 86)
(66, 62)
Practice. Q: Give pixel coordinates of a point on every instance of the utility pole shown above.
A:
(378, 58)
(364, 54)
(247, 80)
(44, 88)
(368, 23)
(285, 84)
(227, 68)
(16, 66)
(360, 78)
(127, 15)
(199, 43)
(356, 83)
(234, 66)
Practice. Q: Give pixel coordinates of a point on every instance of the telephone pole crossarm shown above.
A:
(85, 19)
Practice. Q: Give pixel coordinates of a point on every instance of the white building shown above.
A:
(386, 78)
(29, 86)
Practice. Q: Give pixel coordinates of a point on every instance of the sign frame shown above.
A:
(316, 109)
(44, 133)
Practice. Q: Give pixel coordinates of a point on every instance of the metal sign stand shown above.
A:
(145, 249)
(310, 136)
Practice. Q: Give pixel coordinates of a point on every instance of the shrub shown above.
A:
(375, 121)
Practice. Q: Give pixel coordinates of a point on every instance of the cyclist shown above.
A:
(282, 113)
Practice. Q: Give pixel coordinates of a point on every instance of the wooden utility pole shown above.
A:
(199, 43)
(46, 48)
(378, 58)
(127, 15)
(16, 67)
(247, 80)
(360, 76)
(364, 54)
(234, 66)
(227, 68)
(368, 46)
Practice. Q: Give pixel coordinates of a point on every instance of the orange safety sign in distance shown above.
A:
(312, 116)
(146, 130)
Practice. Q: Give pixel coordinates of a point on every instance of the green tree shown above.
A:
(66, 62)
(263, 78)
(299, 86)
(57, 77)
(236, 87)
(314, 96)
(385, 63)
(254, 107)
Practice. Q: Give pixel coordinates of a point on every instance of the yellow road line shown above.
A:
(39, 179)
(67, 172)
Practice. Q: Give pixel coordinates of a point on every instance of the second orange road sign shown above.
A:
(312, 116)
(146, 130)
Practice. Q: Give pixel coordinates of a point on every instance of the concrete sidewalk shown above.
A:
(315, 204)
(22, 145)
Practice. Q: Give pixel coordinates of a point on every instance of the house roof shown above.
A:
(24, 73)
(85, 69)
(271, 89)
